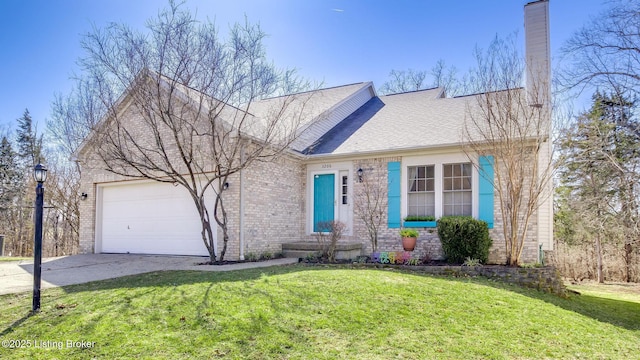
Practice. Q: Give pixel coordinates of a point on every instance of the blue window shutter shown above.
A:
(485, 189)
(393, 193)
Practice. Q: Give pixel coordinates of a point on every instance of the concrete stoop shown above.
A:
(302, 249)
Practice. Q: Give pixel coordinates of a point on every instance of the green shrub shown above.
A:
(419, 218)
(464, 237)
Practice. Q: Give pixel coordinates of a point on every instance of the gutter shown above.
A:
(385, 152)
(393, 151)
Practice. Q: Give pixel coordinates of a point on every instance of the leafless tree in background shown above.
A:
(605, 53)
(404, 81)
(442, 76)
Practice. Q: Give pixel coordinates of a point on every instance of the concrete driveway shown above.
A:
(17, 276)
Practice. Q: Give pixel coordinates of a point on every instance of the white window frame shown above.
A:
(409, 181)
(438, 160)
(458, 191)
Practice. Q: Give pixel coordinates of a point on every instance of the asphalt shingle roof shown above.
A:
(401, 121)
(313, 103)
(330, 141)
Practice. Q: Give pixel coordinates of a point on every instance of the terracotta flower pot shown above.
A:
(409, 243)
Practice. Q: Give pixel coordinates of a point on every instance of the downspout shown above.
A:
(215, 222)
(242, 160)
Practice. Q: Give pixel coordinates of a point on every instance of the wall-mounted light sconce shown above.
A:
(360, 172)
(84, 196)
(225, 186)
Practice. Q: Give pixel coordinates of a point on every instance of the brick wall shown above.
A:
(274, 207)
(428, 243)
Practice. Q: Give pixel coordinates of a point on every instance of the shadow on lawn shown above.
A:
(173, 278)
(15, 324)
(619, 313)
(158, 279)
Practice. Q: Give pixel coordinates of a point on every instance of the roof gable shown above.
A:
(335, 137)
(324, 109)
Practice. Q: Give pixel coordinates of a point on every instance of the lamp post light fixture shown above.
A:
(40, 175)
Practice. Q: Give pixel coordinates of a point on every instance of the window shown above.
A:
(456, 191)
(344, 190)
(421, 197)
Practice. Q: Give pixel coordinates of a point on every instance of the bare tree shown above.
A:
(370, 203)
(62, 221)
(330, 233)
(442, 76)
(513, 125)
(73, 116)
(605, 52)
(185, 107)
(447, 78)
(404, 81)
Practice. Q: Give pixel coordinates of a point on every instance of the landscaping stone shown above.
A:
(546, 279)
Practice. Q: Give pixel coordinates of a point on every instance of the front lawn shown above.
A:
(12, 258)
(299, 312)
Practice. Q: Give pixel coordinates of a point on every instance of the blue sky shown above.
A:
(334, 41)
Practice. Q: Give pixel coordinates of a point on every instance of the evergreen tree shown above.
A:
(600, 156)
(29, 144)
(10, 175)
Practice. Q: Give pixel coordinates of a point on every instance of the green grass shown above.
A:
(615, 291)
(12, 258)
(299, 312)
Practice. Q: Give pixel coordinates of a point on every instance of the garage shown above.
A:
(148, 218)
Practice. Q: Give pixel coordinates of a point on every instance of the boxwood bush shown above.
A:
(464, 237)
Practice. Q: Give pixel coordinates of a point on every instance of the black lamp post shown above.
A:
(40, 175)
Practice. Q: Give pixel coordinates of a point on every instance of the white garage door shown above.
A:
(149, 218)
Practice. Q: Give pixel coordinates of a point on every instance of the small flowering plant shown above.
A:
(409, 233)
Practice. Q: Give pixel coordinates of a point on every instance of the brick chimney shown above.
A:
(537, 52)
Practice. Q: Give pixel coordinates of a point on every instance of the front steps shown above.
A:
(302, 249)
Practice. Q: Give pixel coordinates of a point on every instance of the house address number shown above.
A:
(326, 166)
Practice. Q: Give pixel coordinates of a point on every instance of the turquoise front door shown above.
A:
(323, 200)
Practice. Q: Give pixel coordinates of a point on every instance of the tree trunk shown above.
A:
(220, 215)
(598, 246)
(207, 238)
(627, 259)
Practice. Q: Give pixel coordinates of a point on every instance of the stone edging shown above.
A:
(546, 279)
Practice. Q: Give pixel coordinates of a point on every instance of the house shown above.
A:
(412, 143)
